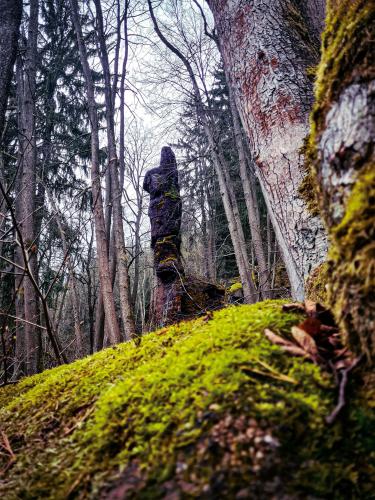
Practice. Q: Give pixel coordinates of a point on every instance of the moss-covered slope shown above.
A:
(206, 409)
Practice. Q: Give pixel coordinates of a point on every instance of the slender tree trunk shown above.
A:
(267, 48)
(251, 205)
(341, 149)
(137, 249)
(73, 282)
(90, 296)
(28, 190)
(121, 252)
(234, 224)
(11, 11)
(20, 348)
(100, 228)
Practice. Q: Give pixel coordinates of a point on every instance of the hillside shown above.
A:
(207, 408)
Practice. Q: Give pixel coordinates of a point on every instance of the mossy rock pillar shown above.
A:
(165, 217)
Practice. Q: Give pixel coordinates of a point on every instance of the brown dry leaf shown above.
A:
(310, 307)
(294, 306)
(276, 339)
(294, 350)
(285, 345)
(341, 352)
(343, 364)
(311, 326)
(305, 341)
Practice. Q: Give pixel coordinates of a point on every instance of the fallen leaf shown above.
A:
(305, 341)
(276, 339)
(343, 364)
(310, 307)
(294, 350)
(294, 306)
(285, 345)
(311, 326)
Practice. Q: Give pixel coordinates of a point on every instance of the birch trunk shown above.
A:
(267, 48)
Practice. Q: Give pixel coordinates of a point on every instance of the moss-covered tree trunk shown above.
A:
(341, 150)
(267, 48)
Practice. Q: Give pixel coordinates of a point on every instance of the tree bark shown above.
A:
(267, 48)
(121, 252)
(11, 11)
(100, 228)
(27, 192)
(341, 149)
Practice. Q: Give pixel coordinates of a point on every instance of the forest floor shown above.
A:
(208, 408)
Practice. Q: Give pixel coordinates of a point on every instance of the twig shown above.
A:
(7, 447)
(343, 382)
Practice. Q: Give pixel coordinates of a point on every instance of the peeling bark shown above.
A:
(267, 48)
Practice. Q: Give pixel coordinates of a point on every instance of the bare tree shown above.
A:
(100, 226)
(27, 185)
(121, 252)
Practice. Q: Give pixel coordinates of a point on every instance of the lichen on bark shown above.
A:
(341, 156)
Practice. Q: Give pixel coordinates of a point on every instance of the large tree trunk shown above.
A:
(100, 228)
(28, 190)
(11, 11)
(267, 48)
(341, 149)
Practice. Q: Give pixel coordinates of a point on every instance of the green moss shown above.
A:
(173, 195)
(201, 408)
(235, 287)
(352, 265)
(317, 283)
